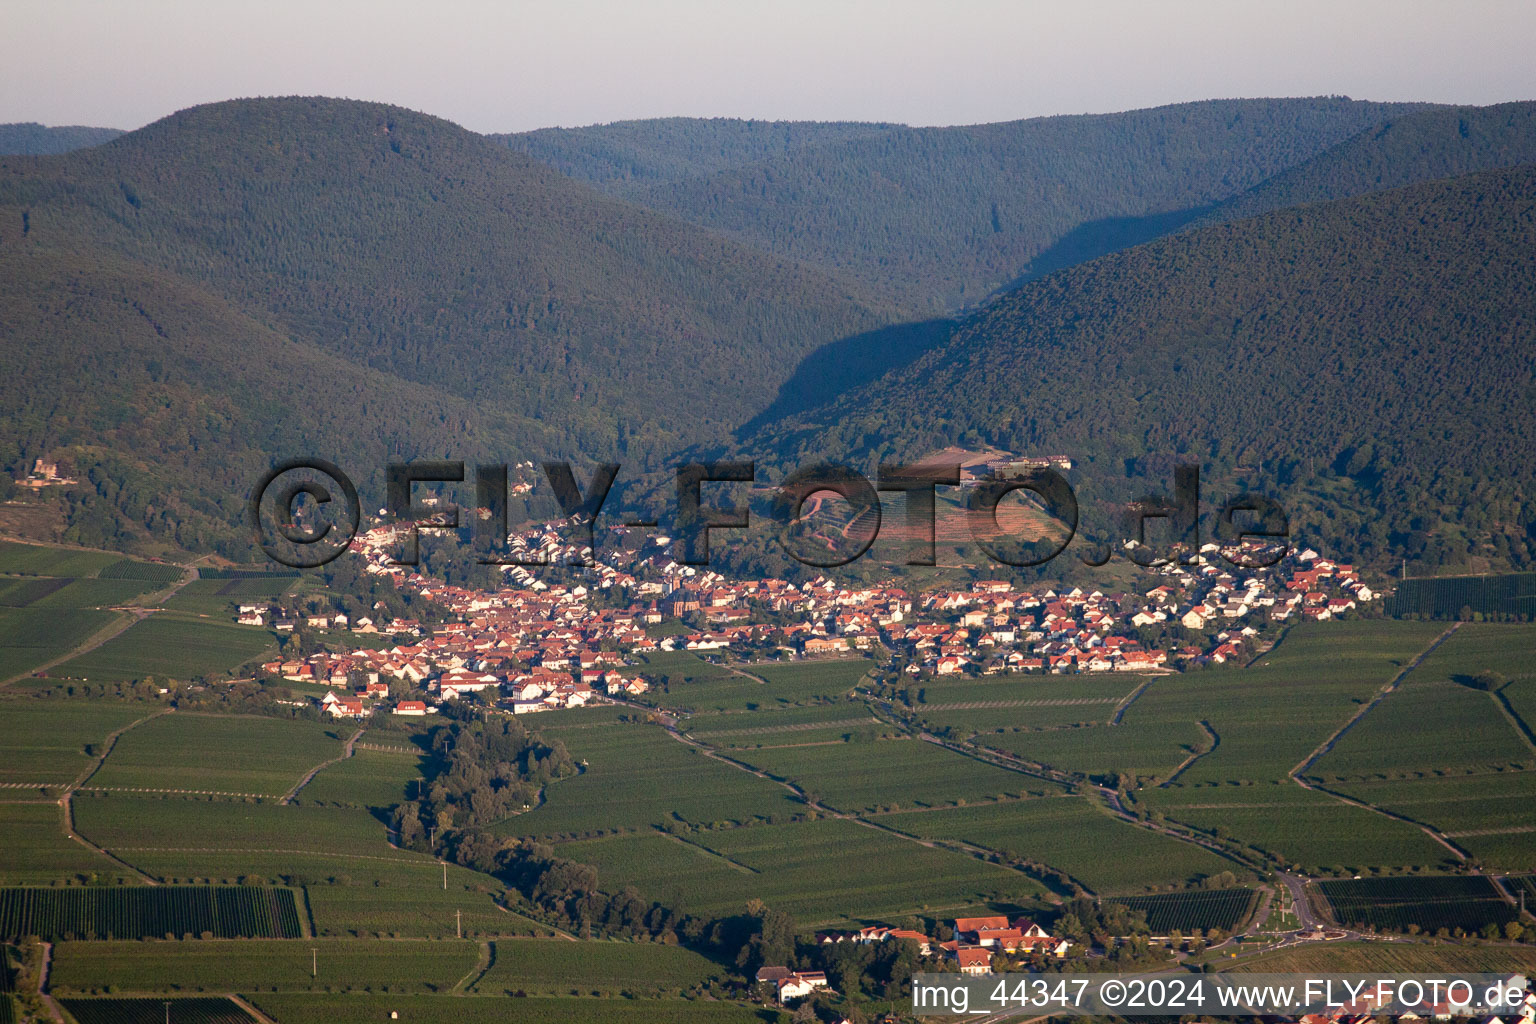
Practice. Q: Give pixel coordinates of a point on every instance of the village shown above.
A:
(535, 645)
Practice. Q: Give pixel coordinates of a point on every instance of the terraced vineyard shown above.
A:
(1453, 902)
(143, 913)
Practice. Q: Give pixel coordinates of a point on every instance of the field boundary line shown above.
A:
(317, 769)
(1327, 745)
(743, 868)
(1210, 734)
(67, 801)
(482, 967)
(1382, 694)
(256, 1015)
(110, 631)
(1509, 712)
(1131, 698)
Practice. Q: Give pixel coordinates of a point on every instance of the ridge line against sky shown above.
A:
(514, 66)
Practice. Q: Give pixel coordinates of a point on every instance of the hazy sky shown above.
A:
(515, 65)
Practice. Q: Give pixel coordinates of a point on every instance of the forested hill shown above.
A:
(355, 280)
(627, 155)
(941, 217)
(32, 139)
(403, 243)
(1371, 357)
(169, 402)
(1418, 146)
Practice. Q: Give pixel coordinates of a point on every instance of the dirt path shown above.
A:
(317, 769)
(1381, 695)
(1129, 699)
(128, 616)
(1215, 741)
(487, 956)
(42, 983)
(67, 801)
(1355, 719)
(256, 1014)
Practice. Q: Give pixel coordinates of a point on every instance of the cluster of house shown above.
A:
(977, 940)
(45, 473)
(541, 644)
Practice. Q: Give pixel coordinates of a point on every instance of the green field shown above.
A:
(1427, 722)
(153, 572)
(888, 774)
(1444, 598)
(412, 904)
(174, 645)
(1456, 902)
(268, 965)
(350, 1009)
(1143, 749)
(555, 966)
(821, 723)
(1309, 829)
(810, 870)
(31, 636)
(696, 685)
(369, 778)
(39, 560)
(44, 741)
(1201, 909)
(1071, 835)
(220, 753)
(637, 776)
(194, 1010)
(128, 825)
(36, 849)
(1394, 958)
(142, 912)
(1491, 815)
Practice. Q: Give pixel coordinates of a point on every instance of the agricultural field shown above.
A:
(1027, 702)
(172, 645)
(20, 591)
(44, 741)
(30, 637)
(239, 754)
(1483, 646)
(1491, 815)
(1144, 750)
(416, 906)
(1427, 722)
(822, 723)
(810, 870)
(140, 912)
(95, 593)
(1071, 835)
(1201, 909)
(1388, 959)
(637, 776)
(553, 966)
(1301, 827)
(36, 850)
(1451, 902)
(352, 1009)
(218, 597)
(887, 774)
(1444, 598)
(40, 560)
(267, 965)
(369, 778)
(1272, 716)
(698, 686)
(127, 825)
(201, 1010)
